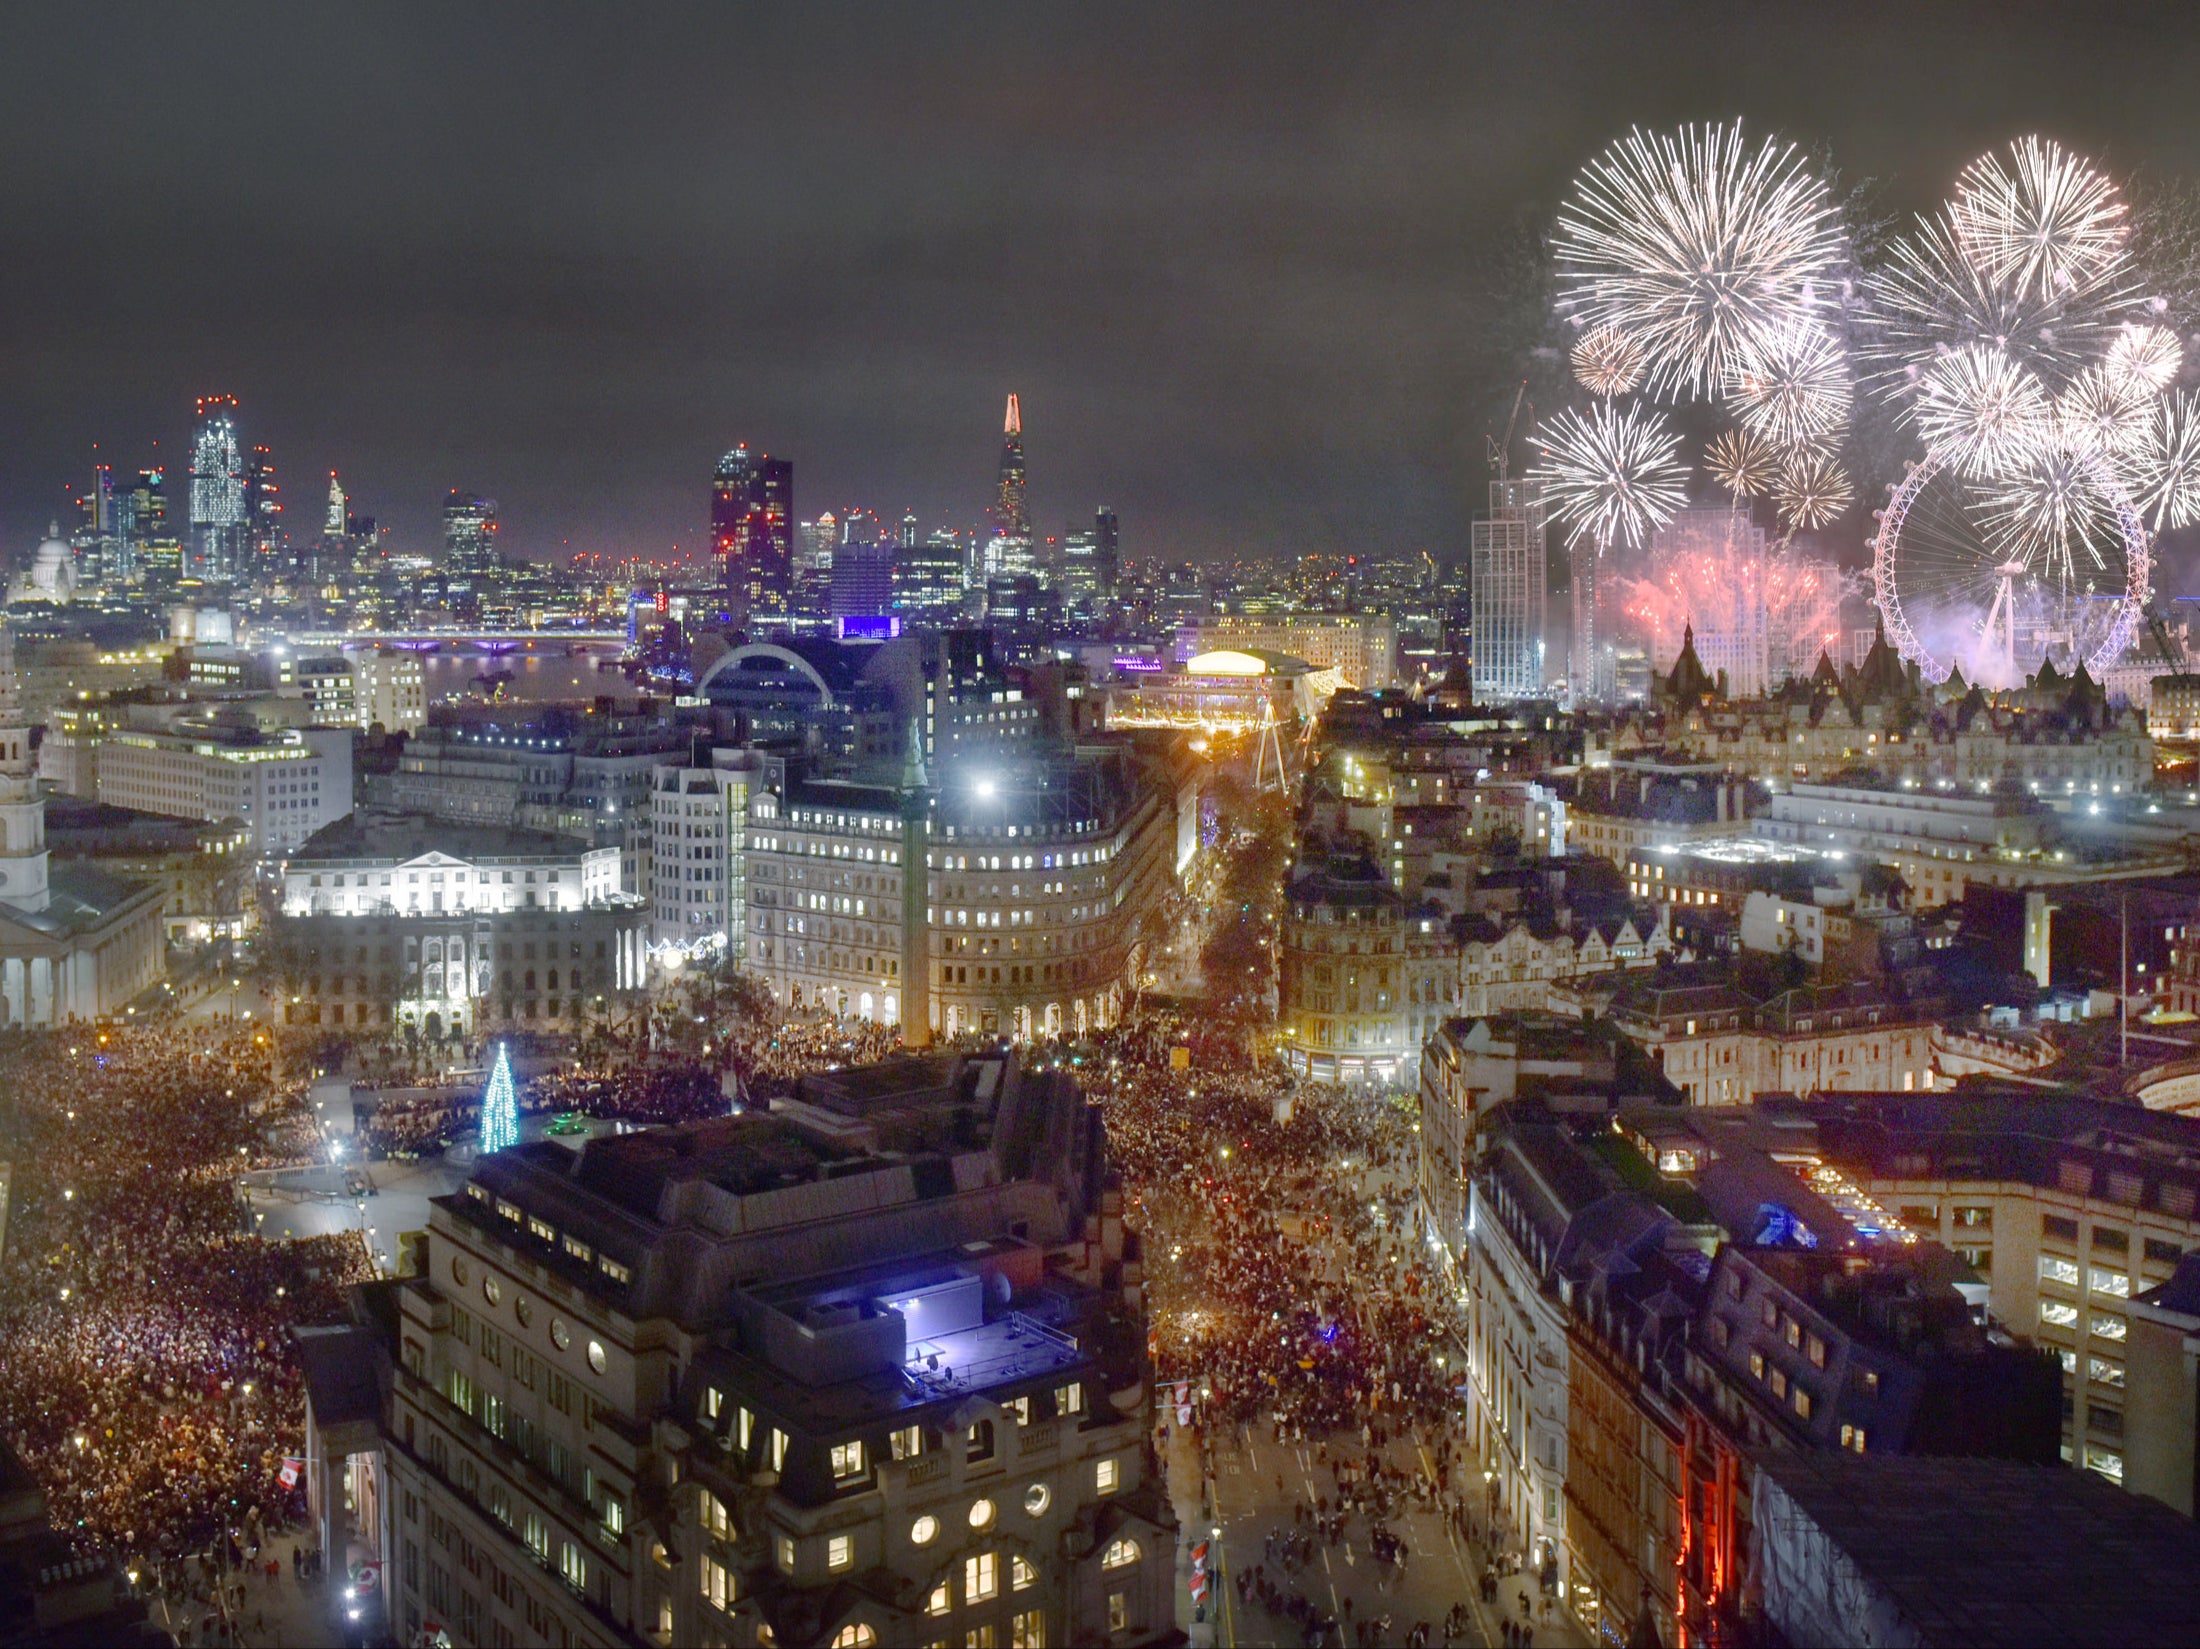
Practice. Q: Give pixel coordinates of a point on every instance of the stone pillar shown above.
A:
(12, 982)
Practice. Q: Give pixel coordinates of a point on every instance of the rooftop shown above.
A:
(1982, 1551)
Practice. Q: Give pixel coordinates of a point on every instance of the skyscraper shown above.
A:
(263, 511)
(218, 515)
(1010, 517)
(1510, 596)
(863, 579)
(929, 578)
(469, 533)
(752, 530)
(1008, 549)
(729, 503)
(1106, 546)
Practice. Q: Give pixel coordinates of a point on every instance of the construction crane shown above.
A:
(1501, 451)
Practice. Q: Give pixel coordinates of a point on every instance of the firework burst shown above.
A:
(2146, 355)
(2053, 515)
(1796, 392)
(1700, 246)
(1608, 362)
(1611, 475)
(2103, 413)
(1743, 462)
(2163, 471)
(1811, 491)
(1931, 297)
(1982, 411)
(2040, 221)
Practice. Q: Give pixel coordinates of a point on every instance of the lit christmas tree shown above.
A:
(499, 1109)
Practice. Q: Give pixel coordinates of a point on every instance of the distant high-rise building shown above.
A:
(469, 533)
(218, 503)
(1509, 595)
(729, 502)
(929, 578)
(1011, 519)
(1107, 546)
(817, 539)
(753, 529)
(909, 529)
(263, 509)
(332, 524)
(863, 579)
(98, 541)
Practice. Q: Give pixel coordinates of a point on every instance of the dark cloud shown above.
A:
(1231, 260)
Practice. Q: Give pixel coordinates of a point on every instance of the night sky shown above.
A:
(1237, 265)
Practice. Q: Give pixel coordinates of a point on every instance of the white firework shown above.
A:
(1609, 474)
(1608, 362)
(2041, 221)
(1931, 296)
(1699, 245)
(1811, 491)
(2054, 515)
(1984, 413)
(2103, 413)
(2146, 355)
(1743, 462)
(1794, 391)
(2162, 472)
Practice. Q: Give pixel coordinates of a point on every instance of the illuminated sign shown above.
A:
(869, 627)
(1138, 664)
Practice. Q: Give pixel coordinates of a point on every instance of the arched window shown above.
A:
(1121, 1554)
(854, 1635)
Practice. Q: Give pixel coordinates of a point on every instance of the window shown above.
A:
(2108, 1328)
(981, 1577)
(979, 1441)
(2059, 1314)
(1779, 1384)
(908, 1442)
(2107, 1462)
(1756, 1365)
(1028, 1630)
(1976, 1219)
(783, 1553)
(840, 1552)
(2109, 1238)
(1815, 1349)
(1021, 1575)
(1802, 1403)
(981, 1514)
(1021, 1408)
(2109, 1282)
(939, 1603)
(855, 1635)
(2054, 1270)
(1852, 1437)
(2061, 1229)
(847, 1461)
(924, 1531)
(1037, 1498)
(2105, 1371)
(1122, 1552)
(1119, 1611)
(1107, 1476)
(778, 1449)
(716, 1520)
(719, 1588)
(1070, 1399)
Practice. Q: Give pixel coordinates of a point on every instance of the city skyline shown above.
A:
(1244, 277)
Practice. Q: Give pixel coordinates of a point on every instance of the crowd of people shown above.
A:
(146, 1367)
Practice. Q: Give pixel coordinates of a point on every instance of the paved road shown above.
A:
(1256, 1482)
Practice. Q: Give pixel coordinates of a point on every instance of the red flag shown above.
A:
(292, 1468)
(1199, 1557)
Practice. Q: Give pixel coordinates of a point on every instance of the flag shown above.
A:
(1199, 1587)
(1199, 1557)
(293, 1468)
